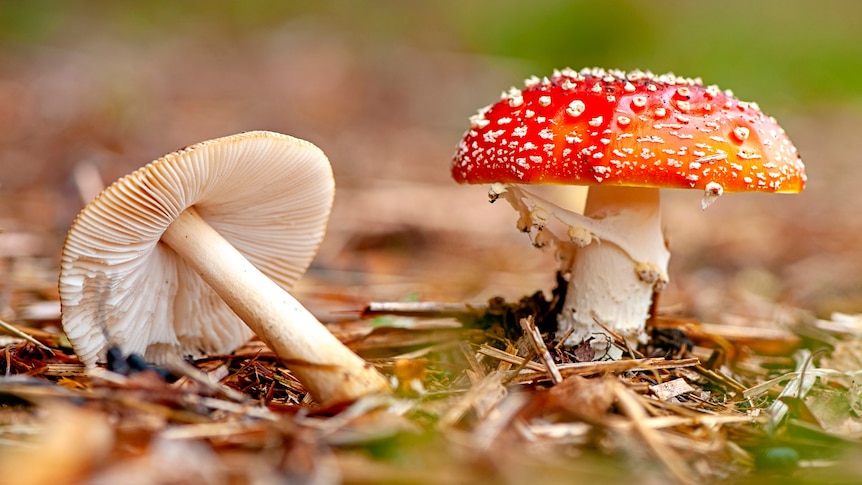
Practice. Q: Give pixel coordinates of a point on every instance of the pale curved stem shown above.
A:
(326, 368)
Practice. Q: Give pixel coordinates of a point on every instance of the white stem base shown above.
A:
(615, 254)
(609, 286)
(326, 368)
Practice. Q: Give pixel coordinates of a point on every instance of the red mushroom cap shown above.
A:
(627, 129)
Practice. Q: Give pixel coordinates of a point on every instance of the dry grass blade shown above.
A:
(490, 428)
(244, 410)
(509, 358)
(720, 379)
(482, 397)
(32, 389)
(764, 387)
(609, 367)
(503, 365)
(631, 407)
(476, 372)
(798, 386)
(210, 430)
(183, 368)
(64, 370)
(842, 324)
(12, 329)
(532, 333)
(423, 309)
(707, 420)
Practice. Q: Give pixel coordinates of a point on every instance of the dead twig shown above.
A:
(18, 333)
(631, 408)
(541, 349)
(509, 358)
(482, 397)
(608, 367)
(423, 309)
(185, 369)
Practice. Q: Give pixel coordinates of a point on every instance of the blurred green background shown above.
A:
(793, 53)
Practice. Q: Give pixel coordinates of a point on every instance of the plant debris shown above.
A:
(476, 401)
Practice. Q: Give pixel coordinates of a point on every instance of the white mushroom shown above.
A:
(170, 260)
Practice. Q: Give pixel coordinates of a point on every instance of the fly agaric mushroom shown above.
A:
(625, 135)
(170, 260)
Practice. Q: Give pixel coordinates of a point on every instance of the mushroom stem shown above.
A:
(615, 255)
(613, 281)
(327, 368)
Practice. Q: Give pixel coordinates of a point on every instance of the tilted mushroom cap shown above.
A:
(627, 129)
(268, 194)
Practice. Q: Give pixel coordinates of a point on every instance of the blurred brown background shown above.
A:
(97, 89)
